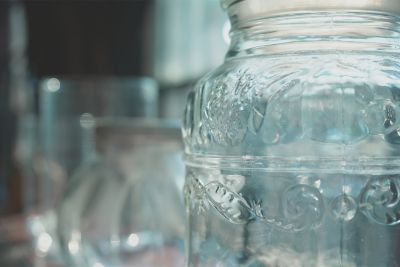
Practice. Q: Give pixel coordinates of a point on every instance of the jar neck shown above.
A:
(315, 32)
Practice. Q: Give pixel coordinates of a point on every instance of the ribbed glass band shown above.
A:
(369, 32)
(248, 9)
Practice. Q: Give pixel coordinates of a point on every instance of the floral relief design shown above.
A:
(234, 106)
(380, 200)
(231, 205)
(303, 206)
(280, 103)
(343, 208)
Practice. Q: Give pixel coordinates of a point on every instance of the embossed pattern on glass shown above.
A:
(292, 145)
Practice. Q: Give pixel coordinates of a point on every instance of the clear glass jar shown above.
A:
(293, 144)
(122, 207)
(60, 146)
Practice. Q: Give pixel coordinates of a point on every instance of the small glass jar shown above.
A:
(293, 144)
(122, 207)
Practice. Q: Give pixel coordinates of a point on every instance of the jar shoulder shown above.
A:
(248, 105)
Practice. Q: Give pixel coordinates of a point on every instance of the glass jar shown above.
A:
(60, 146)
(293, 144)
(122, 207)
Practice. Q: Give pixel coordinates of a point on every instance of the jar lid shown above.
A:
(246, 9)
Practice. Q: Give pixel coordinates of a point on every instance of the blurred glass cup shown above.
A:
(123, 206)
(61, 146)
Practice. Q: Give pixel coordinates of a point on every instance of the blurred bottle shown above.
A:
(63, 147)
(188, 41)
(122, 207)
(15, 105)
(17, 123)
(64, 99)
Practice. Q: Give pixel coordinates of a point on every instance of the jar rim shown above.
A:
(249, 9)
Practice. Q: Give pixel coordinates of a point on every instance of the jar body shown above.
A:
(293, 160)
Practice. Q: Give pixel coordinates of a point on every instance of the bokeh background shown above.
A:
(88, 50)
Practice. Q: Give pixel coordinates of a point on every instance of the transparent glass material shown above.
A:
(64, 100)
(61, 145)
(293, 144)
(249, 9)
(123, 206)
